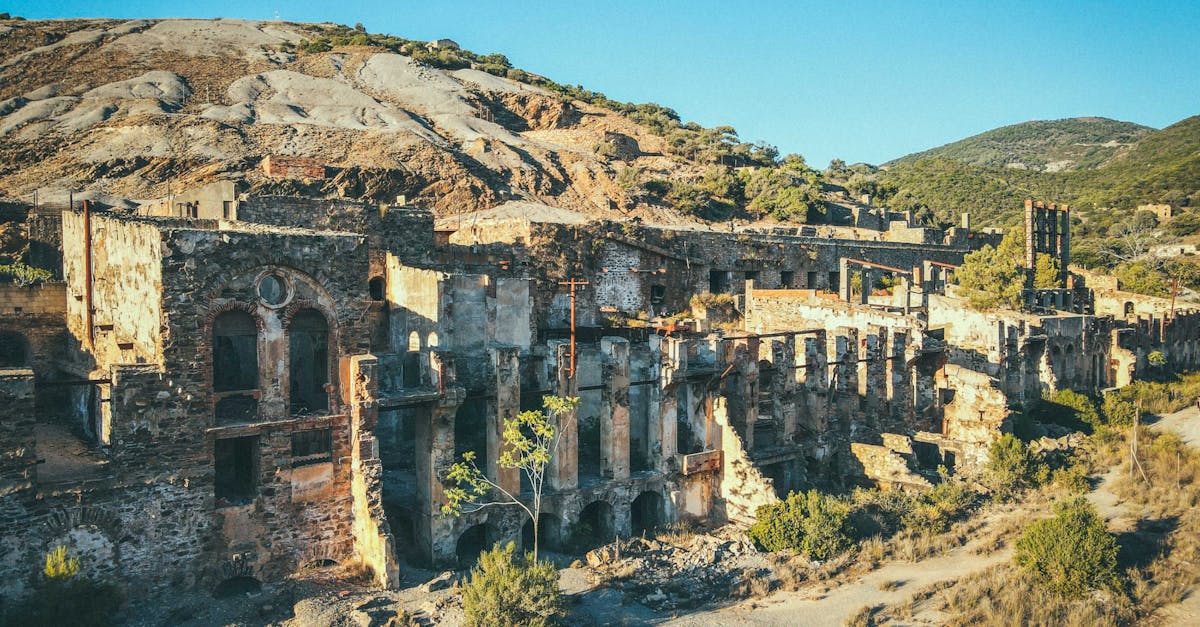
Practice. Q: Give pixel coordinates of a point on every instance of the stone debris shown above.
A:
(676, 575)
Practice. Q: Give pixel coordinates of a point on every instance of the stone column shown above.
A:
(845, 387)
(373, 541)
(614, 412)
(898, 386)
(876, 384)
(738, 361)
(673, 365)
(434, 454)
(783, 392)
(507, 371)
(816, 382)
(844, 279)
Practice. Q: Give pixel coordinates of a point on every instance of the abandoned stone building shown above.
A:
(245, 397)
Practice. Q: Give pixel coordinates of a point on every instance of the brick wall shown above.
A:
(293, 167)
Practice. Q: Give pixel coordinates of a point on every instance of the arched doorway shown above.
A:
(471, 543)
(596, 526)
(549, 527)
(647, 512)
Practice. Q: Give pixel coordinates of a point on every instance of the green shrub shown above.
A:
(1012, 467)
(509, 589)
(1065, 406)
(879, 513)
(934, 510)
(1119, 408)
(23, 275)
(1155, 397)
(811, 522)
(65, 597)
(1071, 478)
(1071, 553)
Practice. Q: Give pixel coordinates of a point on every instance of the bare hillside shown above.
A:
(128, 108)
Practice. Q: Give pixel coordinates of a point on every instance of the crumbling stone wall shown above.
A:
(122, 303)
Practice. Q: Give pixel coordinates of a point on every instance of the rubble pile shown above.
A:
(669, 573)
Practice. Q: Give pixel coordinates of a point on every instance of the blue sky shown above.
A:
(862, 81)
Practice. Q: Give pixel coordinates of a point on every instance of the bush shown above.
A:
(1012, 467)
(811, 522)
(65, 597)
(1119, 408)
(23, 275)
(509, 589)
(1079, 407)
(1070, 554)
(879, 513)
(936, 509)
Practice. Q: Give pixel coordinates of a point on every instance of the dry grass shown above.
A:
(1000, 596)
(864, 617)
(678, 533)
(1160, 557)
(890, 584)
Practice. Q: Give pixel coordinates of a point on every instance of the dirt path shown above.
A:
(1186, 424)
(834, 607)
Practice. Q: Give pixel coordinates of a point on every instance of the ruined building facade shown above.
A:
(246, 397)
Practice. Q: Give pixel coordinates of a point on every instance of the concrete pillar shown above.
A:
(864, 296)
(507, 371)
(614, 412)
(844, 279)
(563, 472)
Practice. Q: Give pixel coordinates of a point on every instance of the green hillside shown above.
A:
(1163, 166)
(1042, 145)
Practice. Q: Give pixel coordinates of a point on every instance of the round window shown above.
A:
(272, 290)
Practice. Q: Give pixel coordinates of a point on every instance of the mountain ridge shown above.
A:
(1067, 144)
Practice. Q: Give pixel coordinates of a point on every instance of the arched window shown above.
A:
(376, 288)
(1128, 308)
(235, 352)
(308, 345)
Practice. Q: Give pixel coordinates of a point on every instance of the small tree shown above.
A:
(990, 279)
(1071, 553)
(510, 589)
(531, 439)
(1047, 272)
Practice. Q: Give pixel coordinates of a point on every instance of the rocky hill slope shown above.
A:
(1042, 145)
(131, 109)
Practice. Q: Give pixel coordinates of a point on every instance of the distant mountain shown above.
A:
(1042, 145)
(1161, 166)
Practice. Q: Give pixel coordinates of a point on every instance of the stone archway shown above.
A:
(647, 512)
